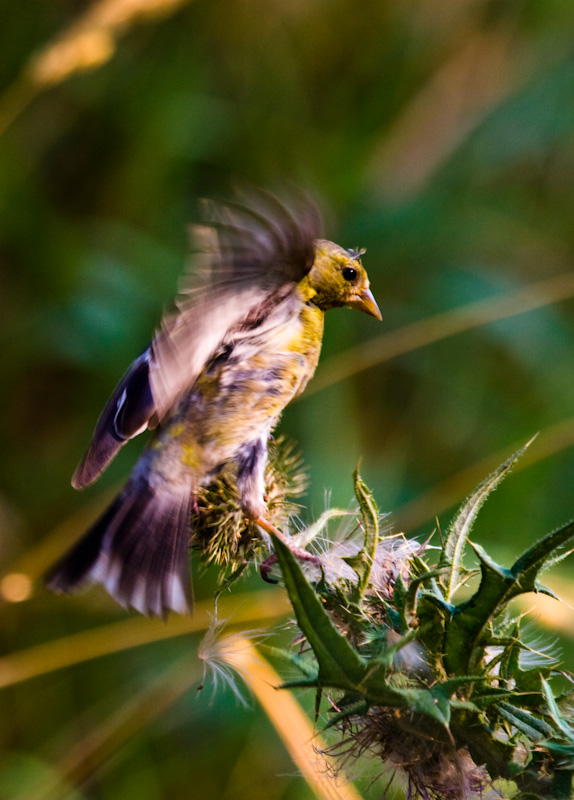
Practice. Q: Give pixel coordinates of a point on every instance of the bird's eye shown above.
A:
(349, 273)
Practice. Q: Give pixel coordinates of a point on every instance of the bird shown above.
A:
(240, 342)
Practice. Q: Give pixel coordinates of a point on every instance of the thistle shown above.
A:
(446, 688)
(225, 536)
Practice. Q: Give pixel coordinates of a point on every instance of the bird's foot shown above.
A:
(265, 569)
(298, 552)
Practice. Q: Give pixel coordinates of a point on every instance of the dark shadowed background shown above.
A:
(439, 136)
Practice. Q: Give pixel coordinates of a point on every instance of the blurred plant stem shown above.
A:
(81, 760)
(252, 608)
(433, 329)
(447, 493)
(485, 68)
(303, 743)
(84, 758)
(88, 42)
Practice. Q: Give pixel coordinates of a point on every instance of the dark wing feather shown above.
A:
(126, 414)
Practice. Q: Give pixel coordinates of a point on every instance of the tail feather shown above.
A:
(138, 550)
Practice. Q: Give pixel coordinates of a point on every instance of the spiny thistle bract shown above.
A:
(221, 530)
(442, 688)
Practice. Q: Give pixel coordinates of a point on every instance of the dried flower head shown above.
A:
(223, 533)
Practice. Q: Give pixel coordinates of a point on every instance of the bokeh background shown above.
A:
(440, 136)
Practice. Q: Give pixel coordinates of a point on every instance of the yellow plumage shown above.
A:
(243, 341)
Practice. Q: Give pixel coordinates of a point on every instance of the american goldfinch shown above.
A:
(242, 342)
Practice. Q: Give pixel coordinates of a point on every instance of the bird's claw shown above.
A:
(265, 569)
(298, 552)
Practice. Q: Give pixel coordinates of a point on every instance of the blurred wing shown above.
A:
(126, 414)
(250, 256)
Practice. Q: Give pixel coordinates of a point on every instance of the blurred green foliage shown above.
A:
(440, 136)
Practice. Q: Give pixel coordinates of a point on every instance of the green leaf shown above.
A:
(464, 705)
(339, 664)
(529, 682)
(437, 601)
(460, 527)
(555, 713)
(492, 694)
(303, 663)
(527, 567)
(310, 683)
(357, 706)
(510, 656)
(564, 755)
(410, 600)
(436, 702)
(497, 587)
(433, 705)
(525, 722)
(466, 625)
(310, 533)
(362, 562)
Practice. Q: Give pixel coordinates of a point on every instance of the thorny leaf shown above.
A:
(302, 662)
(460, 527)
(339, 664)
(491, 710)
(362, 562)
(524, 721)
(497, 587)
(555, 714)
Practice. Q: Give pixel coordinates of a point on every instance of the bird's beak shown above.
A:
(365, 302)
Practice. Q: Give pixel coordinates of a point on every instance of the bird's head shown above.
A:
(338, 278)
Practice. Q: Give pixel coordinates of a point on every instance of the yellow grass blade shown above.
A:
(87, 43)
(290, 722)
(433, 329)
(242, 610)
(455, 488)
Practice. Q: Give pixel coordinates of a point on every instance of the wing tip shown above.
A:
(87, 472)
(79, 480)
(102, 450)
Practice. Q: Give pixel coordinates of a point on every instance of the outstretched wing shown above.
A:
(248, 256)
(247, 253)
